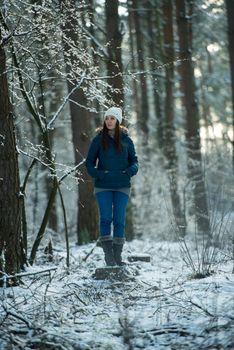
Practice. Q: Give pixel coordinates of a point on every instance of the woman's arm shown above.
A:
(91, 159)
(133, 160)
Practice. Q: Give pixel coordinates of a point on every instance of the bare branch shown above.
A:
(49, 126)
(24, 274)
(19, 317)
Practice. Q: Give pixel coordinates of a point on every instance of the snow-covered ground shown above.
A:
(157, 305)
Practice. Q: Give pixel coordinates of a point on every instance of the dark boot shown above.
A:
(108, 251)
(117, 251)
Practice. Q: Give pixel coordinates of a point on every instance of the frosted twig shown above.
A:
(181, 331)
(201, 308)
(89, 253)
(49, 126)
(97, 43)
(71, 171)
(15, 315)
(27, 273)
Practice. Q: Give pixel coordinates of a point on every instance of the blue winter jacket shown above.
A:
(110, 168)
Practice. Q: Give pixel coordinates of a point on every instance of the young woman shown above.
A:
(112, 161)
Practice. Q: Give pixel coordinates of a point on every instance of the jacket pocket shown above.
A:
(116, 178)
(125, 173)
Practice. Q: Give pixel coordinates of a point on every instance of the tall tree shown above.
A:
(42, 48)
(144, 116)
(10, 212)
(114, 61)
(230, 14)
(115, 72)
(32, 107)
(168, 128)
(76, 63)
(155, 51)
(195, 171)
(133, 63)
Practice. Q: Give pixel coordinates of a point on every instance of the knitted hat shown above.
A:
(114, 112)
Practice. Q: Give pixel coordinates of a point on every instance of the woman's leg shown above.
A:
(120, 202)
(105, 202)
(119, 214)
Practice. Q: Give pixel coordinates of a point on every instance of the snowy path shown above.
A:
(161, 308)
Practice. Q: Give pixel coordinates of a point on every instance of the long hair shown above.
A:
(117, 137)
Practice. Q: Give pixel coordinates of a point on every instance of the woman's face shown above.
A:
(110, 122)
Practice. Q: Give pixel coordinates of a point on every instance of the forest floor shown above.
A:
(157, 305)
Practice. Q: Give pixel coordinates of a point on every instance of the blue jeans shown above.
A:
(112, 207)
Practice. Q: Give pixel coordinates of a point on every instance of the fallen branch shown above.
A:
(24, 274)
(19, 317)
(180, 331)
(88, 255)
(201, 308)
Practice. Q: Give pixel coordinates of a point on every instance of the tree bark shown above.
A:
(135, 93)
(195, 171)
(144, 117)
(230, 14)
(10, 208)
(154, 54)
(48, 182)
(87, 218)
(114, 62)
(168, 128)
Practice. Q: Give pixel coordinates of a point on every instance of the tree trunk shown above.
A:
(53, 218)
(154, 31)
(114, 62)
(92, 30)
(114, 70)
(230, 14)
(135, 93)
(144, 117)
(168, 128)
(87, 221)
(10, 211)
(195, 171)
(205, 106)
(48, 181)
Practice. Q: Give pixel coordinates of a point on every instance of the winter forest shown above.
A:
(169, 64)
